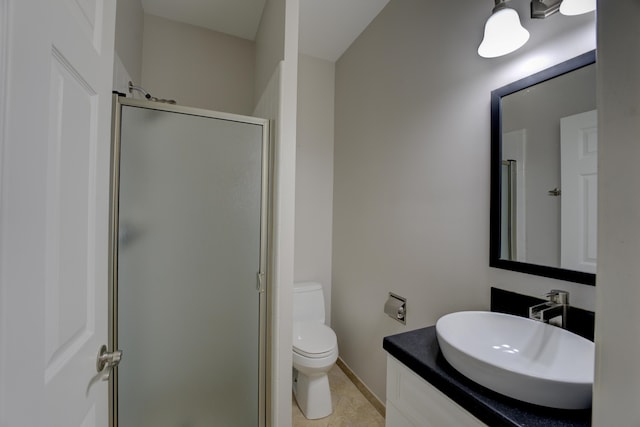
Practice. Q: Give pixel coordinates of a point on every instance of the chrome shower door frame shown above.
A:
(263, 276)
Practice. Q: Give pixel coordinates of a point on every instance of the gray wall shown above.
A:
(128, 44)
(197, 67)
(411, 182)
(617, 384)
(314, 173)
(277, 70)
(270, 40)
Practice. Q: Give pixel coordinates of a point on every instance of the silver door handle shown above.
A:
(107, 360)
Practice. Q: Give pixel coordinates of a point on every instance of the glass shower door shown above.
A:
(191, 245)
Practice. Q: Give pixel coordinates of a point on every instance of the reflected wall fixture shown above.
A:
(503, 32)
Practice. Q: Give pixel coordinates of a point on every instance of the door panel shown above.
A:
(54, 229)
(68, 317)
(579, 175)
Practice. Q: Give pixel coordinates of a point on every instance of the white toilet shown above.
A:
(315, 350)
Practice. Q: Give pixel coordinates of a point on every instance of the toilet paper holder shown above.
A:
(396, 308)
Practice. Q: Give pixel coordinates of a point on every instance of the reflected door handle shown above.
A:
(106, 361)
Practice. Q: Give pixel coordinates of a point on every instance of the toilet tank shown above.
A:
(308, 302)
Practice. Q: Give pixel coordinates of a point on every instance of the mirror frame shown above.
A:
(496, 158)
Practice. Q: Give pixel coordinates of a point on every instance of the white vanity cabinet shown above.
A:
(413, 402)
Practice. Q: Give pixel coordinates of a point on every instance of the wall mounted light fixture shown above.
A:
(577, 7)
(503, 32)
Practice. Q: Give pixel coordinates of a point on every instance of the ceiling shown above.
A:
(327, 27)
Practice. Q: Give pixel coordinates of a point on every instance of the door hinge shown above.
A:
(261, 282)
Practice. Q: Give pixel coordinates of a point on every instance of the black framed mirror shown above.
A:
(544, 173)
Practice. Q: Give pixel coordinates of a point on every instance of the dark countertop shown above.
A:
(420, 352)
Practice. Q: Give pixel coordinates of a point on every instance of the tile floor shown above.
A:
(350, 407)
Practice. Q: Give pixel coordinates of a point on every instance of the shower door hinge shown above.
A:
(261, 285)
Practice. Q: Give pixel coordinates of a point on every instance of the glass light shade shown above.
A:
(503, 34)
(577, 7)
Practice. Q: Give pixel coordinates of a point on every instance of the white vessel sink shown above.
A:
(520, 358)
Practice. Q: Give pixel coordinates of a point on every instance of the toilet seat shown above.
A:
(313, 340)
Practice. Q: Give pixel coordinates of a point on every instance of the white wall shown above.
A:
(127, 61)
(411, 190)
(4, 101)
(197, 67)
(128, 44)
(277, 102)
(617, 384)
(270, 41)
(314, 173)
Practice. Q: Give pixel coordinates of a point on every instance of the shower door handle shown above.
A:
(106, 361)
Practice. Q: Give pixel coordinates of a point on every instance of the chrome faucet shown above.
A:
(557, 305)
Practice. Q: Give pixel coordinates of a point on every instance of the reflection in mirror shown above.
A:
(544, 178)
(509, 223)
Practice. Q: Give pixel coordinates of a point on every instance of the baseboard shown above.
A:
(368, 394)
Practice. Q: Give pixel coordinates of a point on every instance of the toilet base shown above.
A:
(312, 394)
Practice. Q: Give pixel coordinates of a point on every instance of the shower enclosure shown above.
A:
(189, 240)
(508, 211)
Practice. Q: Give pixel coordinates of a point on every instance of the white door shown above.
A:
(579, 179)
(54, 210)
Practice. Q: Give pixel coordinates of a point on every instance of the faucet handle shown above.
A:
(558, 296)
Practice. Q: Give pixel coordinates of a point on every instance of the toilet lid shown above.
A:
(313, 339)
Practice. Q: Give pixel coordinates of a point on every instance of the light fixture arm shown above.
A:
(541, 9)
(499, 4)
